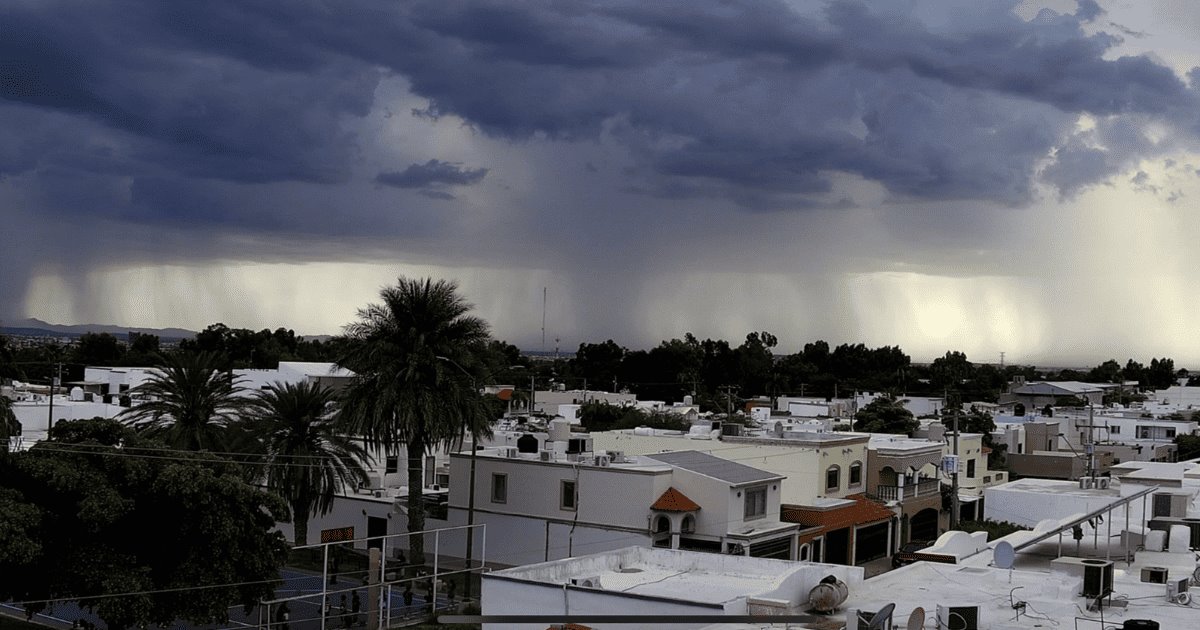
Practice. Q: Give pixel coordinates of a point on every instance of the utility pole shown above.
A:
(954, 479)
(54, 382)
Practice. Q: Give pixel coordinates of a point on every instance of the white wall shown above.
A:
(35, 416)
(506, 597)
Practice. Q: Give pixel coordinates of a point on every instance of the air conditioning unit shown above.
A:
(1154, 575)
(1097, 578)
(546, 456)
(1102, 483)
(1085, 483)
(378, 494)
(1177, 591)
(617, 456)
(602, 461)
(511, 452)
(587, 582)
(958, 617)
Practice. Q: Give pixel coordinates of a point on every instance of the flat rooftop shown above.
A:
(672, 574)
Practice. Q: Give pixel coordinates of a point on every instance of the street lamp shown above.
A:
(471, 483)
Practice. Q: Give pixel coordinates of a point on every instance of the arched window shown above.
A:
(689, 524)
(833, 478)
(856, 474)
(804, 552)
(661, 525)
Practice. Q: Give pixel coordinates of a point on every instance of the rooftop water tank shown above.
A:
(826, 596)
(560, 430)
(527, 444)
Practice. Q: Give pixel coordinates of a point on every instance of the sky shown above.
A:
(1002, 176)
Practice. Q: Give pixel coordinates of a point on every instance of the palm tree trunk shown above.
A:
(416, 509)
(300, 521)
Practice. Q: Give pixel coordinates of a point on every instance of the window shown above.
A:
(1170, 433)
(567, 498)
(970, 469)
(1114, 430)
(856, 474)
(756, 502)
(833, 478)
(499, 488)
(392, 465)
(1144, 433)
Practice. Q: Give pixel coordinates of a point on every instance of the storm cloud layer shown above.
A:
(601, 147)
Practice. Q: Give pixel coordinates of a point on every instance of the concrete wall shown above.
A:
(35, 415)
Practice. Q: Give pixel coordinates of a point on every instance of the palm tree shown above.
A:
(306, 460)
(191, 404)
(403, 393)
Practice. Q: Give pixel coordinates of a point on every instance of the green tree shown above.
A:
(9, 426)
(306, 459)
(1188, 447)
(885, 414)
(403, 391)
(98, 349)
(87, 514)
(190, 404)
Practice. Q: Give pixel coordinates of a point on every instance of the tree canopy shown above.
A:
(100, 511)
(886, 414)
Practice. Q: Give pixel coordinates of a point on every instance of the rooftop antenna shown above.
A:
(1001, 360)
(543, 320)
(882, 619)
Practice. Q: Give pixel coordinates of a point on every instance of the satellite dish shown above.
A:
(1004, 555)
(881, 618)
(916, 620)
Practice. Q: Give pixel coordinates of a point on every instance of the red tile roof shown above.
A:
(674, 501)
(863, 512)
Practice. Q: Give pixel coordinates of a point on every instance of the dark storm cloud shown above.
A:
(432, 173)
(251, 114)
(749, 97)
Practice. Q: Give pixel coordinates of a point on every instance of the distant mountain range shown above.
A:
(37, 328)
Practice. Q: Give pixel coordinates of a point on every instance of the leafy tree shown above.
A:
(1070, 401)
(598, 362)
(98, 349)
(403, 392)
(951, 370)
(306, 458)
(1160, 374)
(85, 514)
(1107, 372)
(190, 403)
(1188, 447)
(1134, 371)
(9, 425)
(885, 414)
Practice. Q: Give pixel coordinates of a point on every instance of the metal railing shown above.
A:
(922, 488)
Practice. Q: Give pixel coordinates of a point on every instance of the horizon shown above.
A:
(569, 353)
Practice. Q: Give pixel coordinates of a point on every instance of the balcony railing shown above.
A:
(922, 488)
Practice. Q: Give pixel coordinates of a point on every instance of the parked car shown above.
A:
(908, 552)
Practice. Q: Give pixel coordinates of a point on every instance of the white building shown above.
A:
(918, 405)
(561, 498)
(659, 584)
(294, 372)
